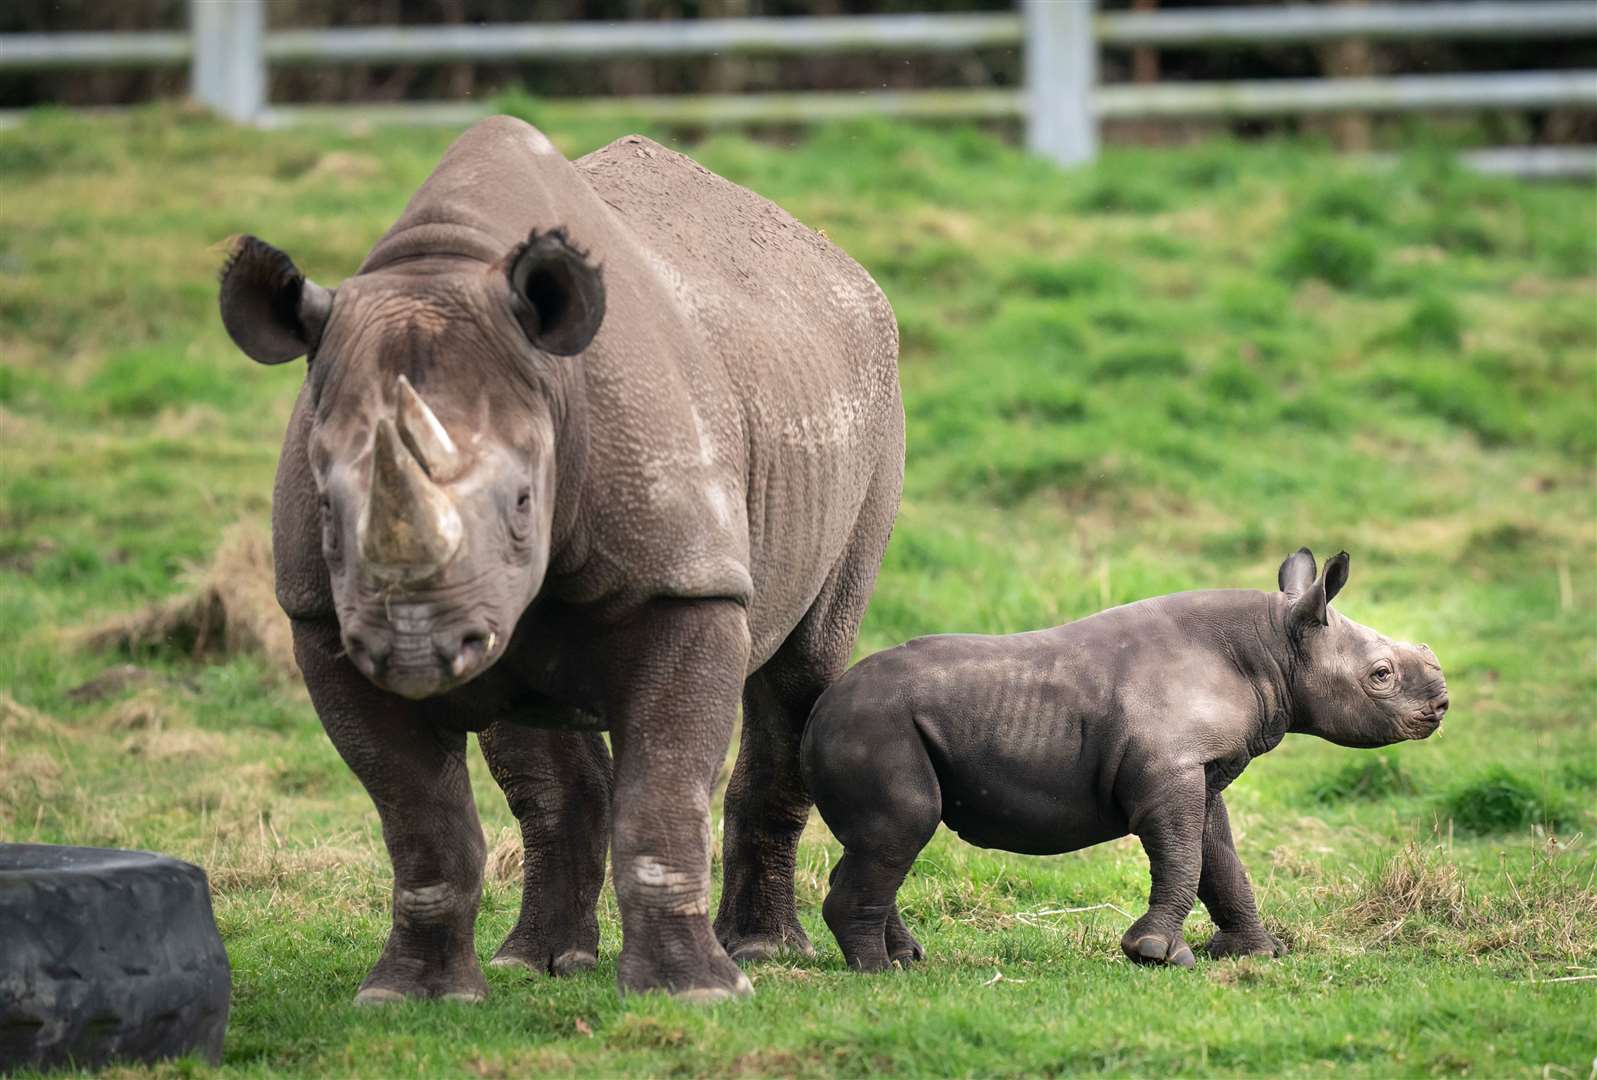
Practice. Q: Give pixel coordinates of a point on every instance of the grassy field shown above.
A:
(1162, 373)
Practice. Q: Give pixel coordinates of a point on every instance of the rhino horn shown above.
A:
(409, 523)
(425, 435)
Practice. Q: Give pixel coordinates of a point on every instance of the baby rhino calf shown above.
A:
(1131, 721)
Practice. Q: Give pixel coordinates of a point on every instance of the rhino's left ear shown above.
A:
(1309, 607)
(559, 293)
(269, 308)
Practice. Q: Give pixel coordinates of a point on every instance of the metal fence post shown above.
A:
(1061, 71)
(228, 70)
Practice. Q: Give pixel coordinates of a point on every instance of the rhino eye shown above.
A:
(1381, 675)
(524, 500)
(329, 532)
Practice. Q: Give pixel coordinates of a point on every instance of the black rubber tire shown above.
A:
(107, 956)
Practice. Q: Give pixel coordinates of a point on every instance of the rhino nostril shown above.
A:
(366, 653)
(1439, 706)
(468, 654)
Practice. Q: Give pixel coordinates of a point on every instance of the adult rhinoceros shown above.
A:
(582, 446)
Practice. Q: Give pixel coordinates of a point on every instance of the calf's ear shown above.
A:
(269, 308)
(1297, 573)
(558, 293)
(1309, 606)
(1335, 575)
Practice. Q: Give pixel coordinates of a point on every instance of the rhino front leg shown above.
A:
(1171, 831)
(416, 775)
(558, 784)
(1225, 891)
(674, 691)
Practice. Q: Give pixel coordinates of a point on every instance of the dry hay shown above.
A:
(1413, 887)
(505, 857)
(231, 610)
(19, 720)
(1421, 897)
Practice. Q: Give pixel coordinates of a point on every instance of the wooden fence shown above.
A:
(229, 51)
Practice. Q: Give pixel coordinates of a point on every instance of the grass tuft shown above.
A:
(1343, 256)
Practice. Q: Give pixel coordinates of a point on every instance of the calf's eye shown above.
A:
(524, 500)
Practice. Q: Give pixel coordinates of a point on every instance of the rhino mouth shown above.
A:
(420, 659)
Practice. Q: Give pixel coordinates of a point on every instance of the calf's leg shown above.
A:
(1170, 825)
(558, 784)
(416, 775)
(879, 794)
(1225, 891)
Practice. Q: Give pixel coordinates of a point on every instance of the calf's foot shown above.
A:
(1254, 941)
(1153, 945)
(902, 948)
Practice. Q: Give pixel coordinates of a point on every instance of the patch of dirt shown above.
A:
(162, 744)
(231, 610)
(150, 710)
(111, 682)
(342, 165)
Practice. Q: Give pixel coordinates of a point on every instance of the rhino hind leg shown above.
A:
(416, 774)
(766, 803)
(558, 785)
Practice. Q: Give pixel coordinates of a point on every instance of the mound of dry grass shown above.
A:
(1422, 897)
(19, 720)
(231, 610)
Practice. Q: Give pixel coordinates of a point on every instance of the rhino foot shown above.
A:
(902, 948)
(385, 985)
(713, 978)
(1152, 947)
(1256, 941)
(549, 953)
(749, 948)
(540, 961)
(414, 967)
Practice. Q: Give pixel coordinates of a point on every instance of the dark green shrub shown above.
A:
(1376, 776)
(1500, 800)
(1064, 277)
(1434, 322)
(1144, 358)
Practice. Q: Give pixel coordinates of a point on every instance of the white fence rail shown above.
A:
(229, 53)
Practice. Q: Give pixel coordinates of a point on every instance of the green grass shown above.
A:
(1162, 373)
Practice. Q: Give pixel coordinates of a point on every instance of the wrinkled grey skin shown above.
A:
(1131, 721)
(583, 446)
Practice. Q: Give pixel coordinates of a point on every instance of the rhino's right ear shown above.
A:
(269, 308)
(1297, 573)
